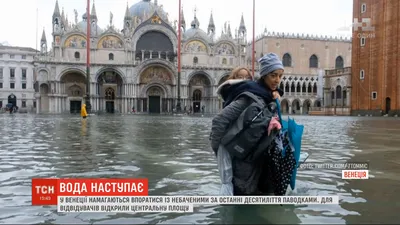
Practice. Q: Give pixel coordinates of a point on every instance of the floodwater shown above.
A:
(173, 152)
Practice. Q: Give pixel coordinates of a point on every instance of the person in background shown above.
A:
(246, 175)
(83, 111)
(237, 76)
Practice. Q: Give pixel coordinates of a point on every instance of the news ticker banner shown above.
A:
(350, 170)
(131, 195)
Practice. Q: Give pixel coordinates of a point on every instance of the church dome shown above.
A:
(83, 24)
(145, 8)
(195, 31)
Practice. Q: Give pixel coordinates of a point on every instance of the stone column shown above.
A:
(38, 105)
(348, 97)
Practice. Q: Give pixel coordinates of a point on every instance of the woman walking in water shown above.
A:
(83, 111)
(247, 177)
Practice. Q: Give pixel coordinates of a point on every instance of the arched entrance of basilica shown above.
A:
(200, 93)
(109, 96)
(109, 88)
(154, 95)
(154, 83)
(74, 85)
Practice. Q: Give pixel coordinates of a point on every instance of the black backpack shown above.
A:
(247, 138)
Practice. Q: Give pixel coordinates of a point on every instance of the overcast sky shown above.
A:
(318, 17)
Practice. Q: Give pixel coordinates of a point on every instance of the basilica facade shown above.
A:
(136, 67)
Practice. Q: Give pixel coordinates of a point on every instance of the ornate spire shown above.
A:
(242, 26)
(62, 15)
(56, 12)
(93, 14)
(43, 39)
(211, 24)
(183, 22)
(195, 23)
(229, 30)
(127, 13)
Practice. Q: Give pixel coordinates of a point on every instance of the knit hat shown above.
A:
(269, 63)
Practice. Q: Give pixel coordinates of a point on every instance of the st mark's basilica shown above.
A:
(137, 66)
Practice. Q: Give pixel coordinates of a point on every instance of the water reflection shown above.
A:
(173, 152)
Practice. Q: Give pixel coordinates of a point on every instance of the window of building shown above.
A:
(362, 74)
(362, 41)
(23, 57)
(12, 85)
(110, 56)
(23, 74)
(313, 61)
(1, 73)
(34, 104)
(287, 60)
(374, 95)
(77, 55)
(12, 73)
(1, 85)
(23, 103)
(1, 104)
(12, 56)
(224, 61)
(23, 85)
(195, 60)
(363, 8)
(339, 62)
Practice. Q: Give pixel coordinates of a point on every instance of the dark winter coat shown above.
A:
(246, 174)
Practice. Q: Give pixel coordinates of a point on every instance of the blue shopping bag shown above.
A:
(295, 133)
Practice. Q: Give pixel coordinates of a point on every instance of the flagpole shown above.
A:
(254, 34)
(87, 101)
(37, 19)
(178, 105)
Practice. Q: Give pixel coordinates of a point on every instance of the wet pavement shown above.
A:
(173, 152)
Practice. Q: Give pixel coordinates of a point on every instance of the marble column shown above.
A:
(38, 105)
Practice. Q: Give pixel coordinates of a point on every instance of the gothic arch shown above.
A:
(75, 90)
(71, 70)
(287, 86)
(339, 62)
(287, 60)
(116, 38)
(155, 62)
(145, 89)
(167, 77)
(307, 104)
(114, 69)
(194, 40)
(313, 61)
(218, 50)
(285, 105)
(196, 95)
(223, 78)
(78, 36)
(296, 104)
(194, 73)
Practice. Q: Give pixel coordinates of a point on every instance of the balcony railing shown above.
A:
(338, 71)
